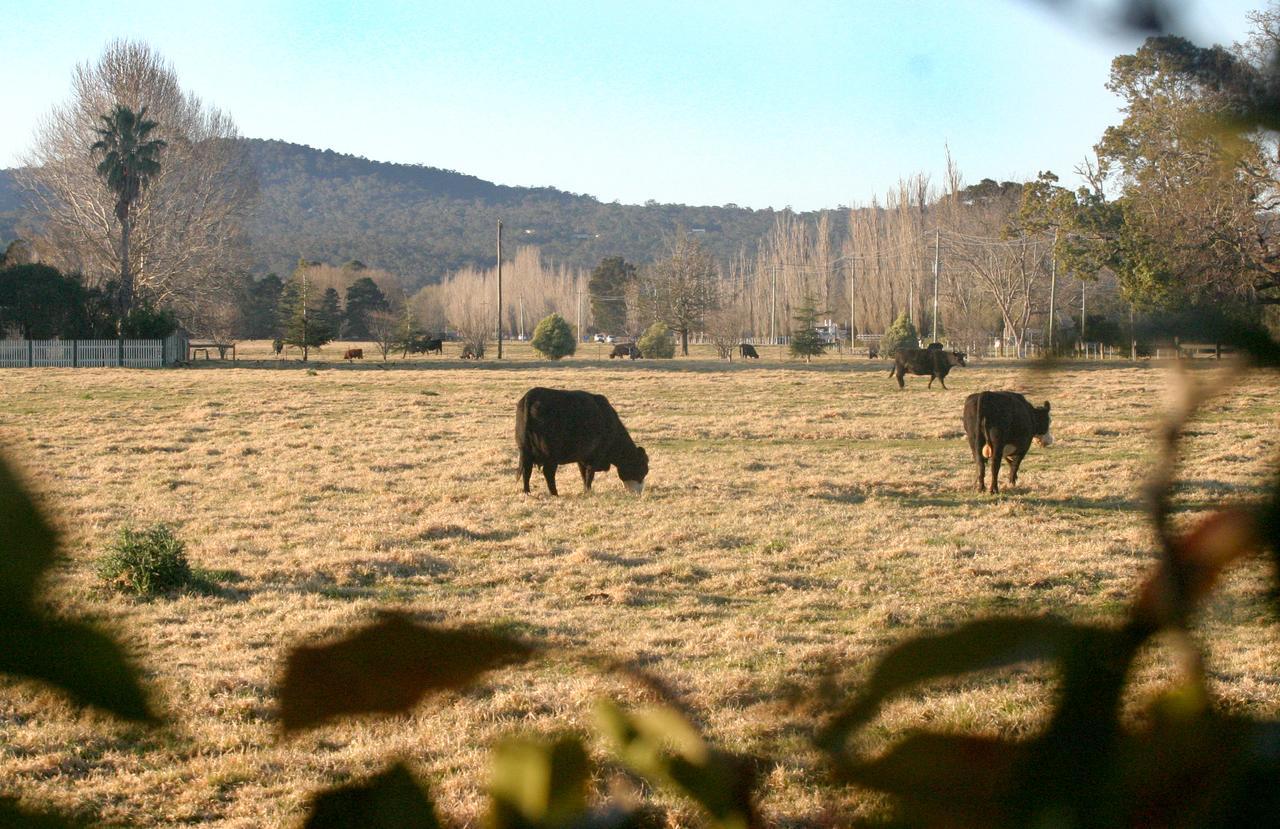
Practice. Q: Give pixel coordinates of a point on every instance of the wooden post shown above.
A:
(1053, 287)
(30, 354)
(937, 277)
(499, 289)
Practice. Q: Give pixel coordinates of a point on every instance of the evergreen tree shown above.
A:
(299, 326)
(329, 314)
(657, 342)
(364, 297)
(608, 288)
(806, 342)
(902, 334)
(553, 338)
(259, 306)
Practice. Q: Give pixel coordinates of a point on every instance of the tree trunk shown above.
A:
(684, 341)
(126, 274)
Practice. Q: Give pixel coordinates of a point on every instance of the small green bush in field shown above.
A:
(553, 338)
(146, 562)
(657, 342)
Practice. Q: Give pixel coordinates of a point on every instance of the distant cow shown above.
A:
(625, 350)
(934, 362)
(555, 427)
(468, 352)
(353, 354)
(748, 351)
(425, 345)
(1001, 425)
(277, 346)
(873, 352)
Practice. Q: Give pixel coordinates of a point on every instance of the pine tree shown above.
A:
(902, 334)
(806, 342)
(299, 326)
(329, 314)
(364, 297)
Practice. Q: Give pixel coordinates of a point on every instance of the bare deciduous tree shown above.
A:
(679, 289)
(187, 236)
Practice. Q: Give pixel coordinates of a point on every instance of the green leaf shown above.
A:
(28, 545)
(386, 668)
(662, 746)
(392, 800)
(977, 646)
(538, 784)
(78, 659)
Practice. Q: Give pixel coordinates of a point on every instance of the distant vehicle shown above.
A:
(609, 338)
(601, 338)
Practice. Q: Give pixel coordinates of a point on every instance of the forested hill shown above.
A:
(423, 222)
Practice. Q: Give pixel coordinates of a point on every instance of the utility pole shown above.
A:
(305, 336)
(937, 277)
(522, 317)
(579, 315)
(499, 289)
(1053, 287)
(773, 308)
(1082, 314)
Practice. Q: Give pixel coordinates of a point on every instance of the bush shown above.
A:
(902, 334)
(657, 342)
(553, 338)
(146, 562)
(146, 322)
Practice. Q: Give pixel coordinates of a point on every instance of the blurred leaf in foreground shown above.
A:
(392, 800)
(386, 668)
(80, 660)
(538, 784)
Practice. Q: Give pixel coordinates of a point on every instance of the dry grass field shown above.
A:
(797, 521)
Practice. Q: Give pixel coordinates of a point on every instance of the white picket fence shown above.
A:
(87, 353)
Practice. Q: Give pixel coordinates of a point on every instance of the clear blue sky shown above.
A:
(807, 104)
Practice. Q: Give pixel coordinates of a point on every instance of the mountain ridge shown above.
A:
(423, 222)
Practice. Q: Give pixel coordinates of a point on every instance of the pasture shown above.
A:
(797, 520)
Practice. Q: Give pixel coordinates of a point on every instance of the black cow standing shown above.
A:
(425, 345)
(748, 352)
(932, 361)
(624, 350)
(1001, 425)
(555, 427)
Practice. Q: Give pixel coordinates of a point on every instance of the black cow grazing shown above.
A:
(624, 350)
(555, 427)
(1001, 425)
(873, 352)
(748, 352)
(931, 361)
(426, 345)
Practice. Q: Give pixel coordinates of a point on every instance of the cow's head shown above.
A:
(633, 468)
(1041, 416)
(956, 358)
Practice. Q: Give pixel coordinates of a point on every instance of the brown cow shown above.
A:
(353, 354)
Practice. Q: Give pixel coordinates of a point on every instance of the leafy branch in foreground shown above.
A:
(77, 659)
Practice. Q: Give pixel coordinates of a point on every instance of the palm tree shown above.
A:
(129, 160)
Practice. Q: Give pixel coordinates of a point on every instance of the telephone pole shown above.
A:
(499, 289)
(773, 308)
(937, 276)
(1053, 287)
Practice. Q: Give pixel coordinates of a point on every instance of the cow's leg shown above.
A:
(549, 472)
(526, 469)
(942, 378)
(900, 372)
(995, 440)
(588, 475)
(975, 446)
(1015, 460)
(932, 377)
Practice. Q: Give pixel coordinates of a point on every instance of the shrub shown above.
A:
(146, 562)
(657, 342)
(146, 322)
(553, 338)
(902, 334)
